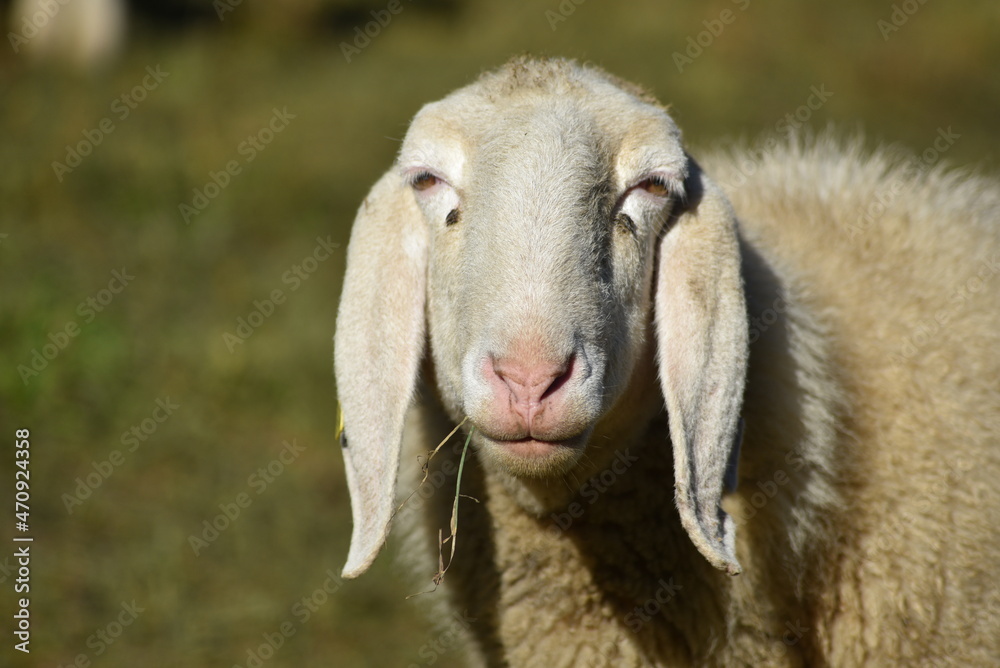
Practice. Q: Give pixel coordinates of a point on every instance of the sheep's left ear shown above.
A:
(701, 331)
(377, 351)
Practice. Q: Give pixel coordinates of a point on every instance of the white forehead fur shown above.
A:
(643, 139)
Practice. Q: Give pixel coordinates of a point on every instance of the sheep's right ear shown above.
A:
(701, 324)
(377, 351)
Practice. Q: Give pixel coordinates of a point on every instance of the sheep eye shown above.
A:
(423, 181)
(452, 217)
(655, 185)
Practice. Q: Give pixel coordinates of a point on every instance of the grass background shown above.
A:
(162, 336)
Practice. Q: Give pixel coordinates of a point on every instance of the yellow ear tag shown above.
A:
(340, 426)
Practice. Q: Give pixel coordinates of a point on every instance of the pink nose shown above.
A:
(528, 387)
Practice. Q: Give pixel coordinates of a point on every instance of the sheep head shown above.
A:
(537, 227)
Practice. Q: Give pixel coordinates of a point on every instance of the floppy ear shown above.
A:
(377, 350)
(701, 330)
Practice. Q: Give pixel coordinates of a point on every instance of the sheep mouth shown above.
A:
(533, 457)
(537, 448)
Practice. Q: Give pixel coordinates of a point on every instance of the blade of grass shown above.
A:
(453, 525)
(439, 576)
(425, 466)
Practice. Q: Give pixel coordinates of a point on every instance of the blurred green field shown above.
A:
(164, 335)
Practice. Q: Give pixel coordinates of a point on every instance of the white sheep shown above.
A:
(80, 33)
(545, 259)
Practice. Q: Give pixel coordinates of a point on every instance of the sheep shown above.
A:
(82, 33)
(739, 414)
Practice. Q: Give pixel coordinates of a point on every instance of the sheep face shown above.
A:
(542, 226)
(536, 224)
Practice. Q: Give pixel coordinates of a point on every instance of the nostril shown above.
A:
(559, 380)
(531, 382)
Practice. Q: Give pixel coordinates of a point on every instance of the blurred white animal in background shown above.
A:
(83, 34)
